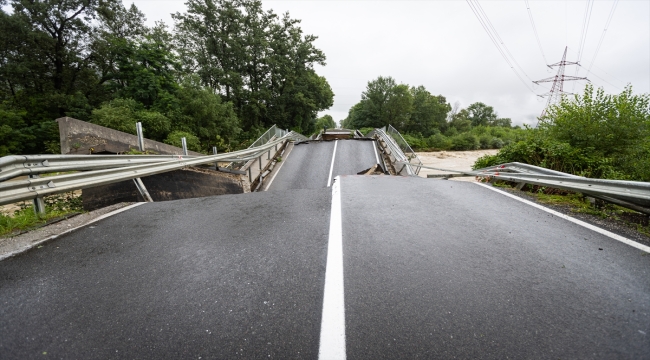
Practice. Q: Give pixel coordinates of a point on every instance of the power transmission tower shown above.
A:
(558, 80)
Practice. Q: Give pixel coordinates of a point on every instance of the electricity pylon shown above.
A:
(558, 80)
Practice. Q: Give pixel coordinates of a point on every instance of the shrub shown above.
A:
(439, 142)
(174, 139)
(465, 141)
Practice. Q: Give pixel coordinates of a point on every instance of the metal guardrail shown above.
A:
(14, 191)
(634, 195)
(270, 134)
(396, 151)
(20, 165)
(406, 148)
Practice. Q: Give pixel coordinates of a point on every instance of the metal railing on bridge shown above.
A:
(96, 170)
(400, 149)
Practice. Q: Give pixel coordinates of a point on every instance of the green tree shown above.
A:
(325, 121)
(203, 113)
(429, 112)
(123, 114)
(481, 114)
(174, 139)
(260, 62)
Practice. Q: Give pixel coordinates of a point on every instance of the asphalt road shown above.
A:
(431, 268)
(470, 273)
(232, 276)
(308, 165)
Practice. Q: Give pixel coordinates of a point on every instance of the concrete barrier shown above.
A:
(81, 137)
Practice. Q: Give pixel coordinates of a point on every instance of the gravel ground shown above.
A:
(10, 246)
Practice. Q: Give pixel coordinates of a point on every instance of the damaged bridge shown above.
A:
(314, 261)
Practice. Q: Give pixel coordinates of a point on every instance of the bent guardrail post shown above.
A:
(142, 190)
(39, 204)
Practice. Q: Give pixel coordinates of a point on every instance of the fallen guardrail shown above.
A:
(633, 195)
(410, 161)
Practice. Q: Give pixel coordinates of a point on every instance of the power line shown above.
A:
(602, 36)
(532, 22)
(583, 34)
(585, 27)
(487, 26)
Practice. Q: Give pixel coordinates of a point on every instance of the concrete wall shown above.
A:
(173, 185)
(80, 137)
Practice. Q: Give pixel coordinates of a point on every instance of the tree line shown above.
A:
(428, 121)
(224, 73)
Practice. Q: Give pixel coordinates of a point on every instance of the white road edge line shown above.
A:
(277, 171)
(34, 244)
(329, 178)
(332, 328)
(374, 147)
(574, 220)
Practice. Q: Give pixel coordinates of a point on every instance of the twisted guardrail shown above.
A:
(409, 160)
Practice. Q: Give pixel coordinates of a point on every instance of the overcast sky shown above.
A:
(442, 45)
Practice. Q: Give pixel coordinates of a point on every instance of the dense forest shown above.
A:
(428, 121)
(224, 73)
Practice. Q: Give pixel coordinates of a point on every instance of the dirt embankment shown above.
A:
(452, 160)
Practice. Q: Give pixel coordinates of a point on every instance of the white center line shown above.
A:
(329, 178)
(574, 220)
(332, 328)
(374, 147)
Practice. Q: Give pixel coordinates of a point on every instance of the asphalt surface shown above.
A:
(308, 165)
(432, 269)
(233, 276)
(470, 273)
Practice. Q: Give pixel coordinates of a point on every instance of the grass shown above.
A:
(56, 206)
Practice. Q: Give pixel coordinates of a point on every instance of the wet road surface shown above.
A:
(431, 269)
(309, 165)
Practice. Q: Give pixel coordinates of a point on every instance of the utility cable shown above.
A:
(532, 22)
(583, 35)
(493, 38)
(602, 36)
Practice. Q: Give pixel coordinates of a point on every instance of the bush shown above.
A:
(554, 155)
(439, 142)
(174, 139)
(465, 141)
(496, 143)
(416, 141)
(485, 141)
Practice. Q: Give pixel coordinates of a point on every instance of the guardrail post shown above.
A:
(259, 161)
(39, 204)
(184, 144)
(268, 155)
(250, 175)
(138, 128)
(214, 150)
(142, 190)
